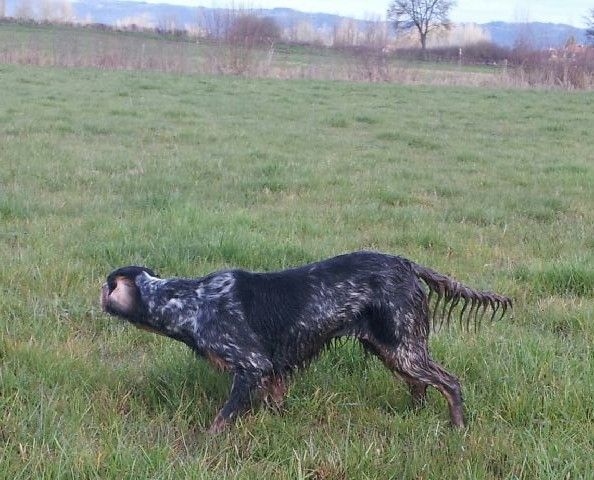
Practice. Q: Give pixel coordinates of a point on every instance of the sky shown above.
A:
(479, 11)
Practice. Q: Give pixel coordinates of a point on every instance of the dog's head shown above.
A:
(121, 296)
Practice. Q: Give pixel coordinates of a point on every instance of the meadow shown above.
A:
(189, 174)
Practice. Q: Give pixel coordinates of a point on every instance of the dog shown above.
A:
(262, 327)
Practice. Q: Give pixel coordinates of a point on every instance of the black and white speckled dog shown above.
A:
(263, 326)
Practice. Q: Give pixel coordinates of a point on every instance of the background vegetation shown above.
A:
(188, 174)
(243, 44)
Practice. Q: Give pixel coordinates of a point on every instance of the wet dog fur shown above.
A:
(261, 327)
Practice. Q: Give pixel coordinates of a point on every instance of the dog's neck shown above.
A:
(195, 302)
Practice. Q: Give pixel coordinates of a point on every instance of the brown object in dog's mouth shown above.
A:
(105, 302)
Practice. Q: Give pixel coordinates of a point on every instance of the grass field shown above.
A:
(190, 174)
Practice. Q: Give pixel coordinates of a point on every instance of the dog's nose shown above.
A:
(104, 295)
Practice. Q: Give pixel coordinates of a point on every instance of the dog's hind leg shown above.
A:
(242, 390)
(421, 368)
(449, 386)
(418, 389)
(412, 363)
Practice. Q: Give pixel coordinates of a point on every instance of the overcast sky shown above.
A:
(567, 11)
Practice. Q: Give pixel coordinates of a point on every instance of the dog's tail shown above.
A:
(450, 293)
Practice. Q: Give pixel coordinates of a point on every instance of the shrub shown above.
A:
(565, 68)
(476, 53)
(253, 30)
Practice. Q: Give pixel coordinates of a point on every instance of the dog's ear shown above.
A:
(120, 295)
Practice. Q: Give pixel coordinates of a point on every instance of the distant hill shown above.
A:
(110, 12)
(541, 35)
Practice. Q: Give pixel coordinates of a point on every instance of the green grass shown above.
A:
(190, 174)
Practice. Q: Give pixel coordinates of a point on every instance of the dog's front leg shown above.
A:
(244, 385)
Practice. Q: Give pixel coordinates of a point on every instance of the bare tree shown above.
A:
(300, 32)
(45, 10)
(2, 8)
(590, 31)
(345, 33)
(24, 10)
(375, 34)
(424, 15)
(55, 11)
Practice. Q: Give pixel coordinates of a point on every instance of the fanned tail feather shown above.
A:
(450, 293)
